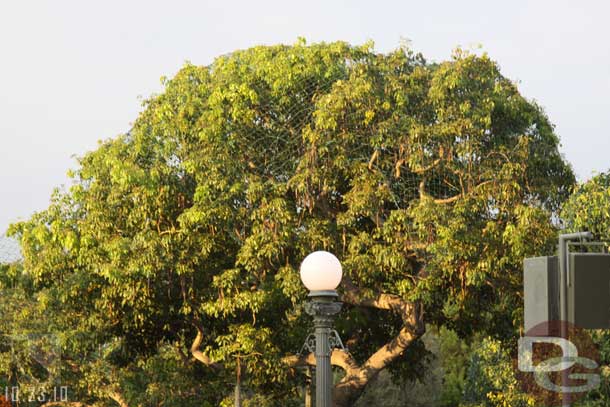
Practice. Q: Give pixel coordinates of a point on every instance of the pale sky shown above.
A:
(72, 72)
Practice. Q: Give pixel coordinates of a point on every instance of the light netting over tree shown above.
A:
(429, 181)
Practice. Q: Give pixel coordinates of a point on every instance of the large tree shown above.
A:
(429, 181)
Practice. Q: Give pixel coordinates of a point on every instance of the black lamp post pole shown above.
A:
(323, 307)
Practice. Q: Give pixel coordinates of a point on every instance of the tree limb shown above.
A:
(338, 358)
(423, 194)
(118, 398)
(389, 352)
(354, 296)
(356, 379)
(427, 168)
(196, 351)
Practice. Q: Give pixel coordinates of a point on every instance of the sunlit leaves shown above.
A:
(429, 181)
(589, 207)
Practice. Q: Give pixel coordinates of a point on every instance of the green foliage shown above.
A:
(429, 181)
(164, 378)
(491, 380)
(589, 207)
(454, 355)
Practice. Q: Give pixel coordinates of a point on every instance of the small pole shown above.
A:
(564, 283)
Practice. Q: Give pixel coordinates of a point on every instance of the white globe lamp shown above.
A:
(321, 272)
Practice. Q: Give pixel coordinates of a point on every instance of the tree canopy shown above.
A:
(176, 250)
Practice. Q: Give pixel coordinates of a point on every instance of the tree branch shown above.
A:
(427, 168)
(423, 194)
(411, 313)
(118, 398)
(389, 352)
(196, 351)
(338, 358)
(354, 296)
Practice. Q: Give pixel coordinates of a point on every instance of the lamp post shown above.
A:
(321, 273)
